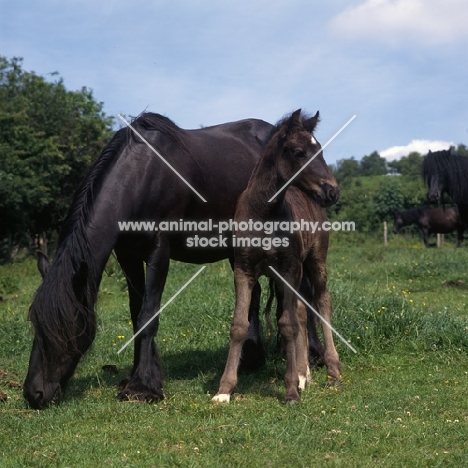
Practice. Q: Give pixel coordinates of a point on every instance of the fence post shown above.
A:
(385, 233)
(440, 240)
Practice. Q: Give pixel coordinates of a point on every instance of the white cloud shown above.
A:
(419, 146)
(400, 22)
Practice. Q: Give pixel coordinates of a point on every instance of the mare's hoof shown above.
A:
(123, 383)
(139, 392)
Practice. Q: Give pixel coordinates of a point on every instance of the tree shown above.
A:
(462, 150)
(410, 165)
(48, 138)
(373, 164)
(388, 199)
(345, 170)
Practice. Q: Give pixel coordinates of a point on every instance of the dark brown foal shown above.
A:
(282, 255)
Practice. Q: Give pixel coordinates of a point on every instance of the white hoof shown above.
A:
(304, 379)
(221, 398)
(302, 382)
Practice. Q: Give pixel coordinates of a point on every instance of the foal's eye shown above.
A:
(299, 154)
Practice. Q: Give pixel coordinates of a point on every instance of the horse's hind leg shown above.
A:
(317, 273)
(289, 327)
(146, 380)
(238, 333)
(315, 346)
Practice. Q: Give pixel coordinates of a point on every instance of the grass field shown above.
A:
(403, 402)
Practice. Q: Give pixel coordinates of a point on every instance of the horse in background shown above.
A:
(446, 172)
(431, 221)
(290, 148)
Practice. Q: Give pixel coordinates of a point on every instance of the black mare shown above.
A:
(446, 172)
(130, 183)
(430, 221)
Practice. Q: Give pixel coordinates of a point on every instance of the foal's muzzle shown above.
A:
(329, 196)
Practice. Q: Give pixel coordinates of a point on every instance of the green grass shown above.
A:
(402, 403)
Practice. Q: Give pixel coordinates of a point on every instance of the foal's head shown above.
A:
(296, 149)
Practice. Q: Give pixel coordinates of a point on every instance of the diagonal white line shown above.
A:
(160, 156)
(313, 310)
(161, 309)
(312, 158)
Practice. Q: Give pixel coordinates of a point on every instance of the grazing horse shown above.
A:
(292, 255)
(446, 172)
(129, 182)
(430, 221)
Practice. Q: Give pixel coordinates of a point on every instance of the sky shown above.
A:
(399, 66)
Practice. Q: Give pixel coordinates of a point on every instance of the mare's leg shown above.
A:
(459, 236)
(317, 272)
(135, 277)
(253, 352)
(238, 333)
(426, 237)
(146, 380)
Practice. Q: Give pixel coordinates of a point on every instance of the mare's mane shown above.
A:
(451, 170)
(66, 294)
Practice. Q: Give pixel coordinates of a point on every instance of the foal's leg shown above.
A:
(146, 380)
(317, 273)
(302, 357)
(316, 348)
(288, 325)
(239, 327)
(253, 352)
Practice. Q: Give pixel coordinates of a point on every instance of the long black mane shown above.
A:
(452, 172)
(71, 283)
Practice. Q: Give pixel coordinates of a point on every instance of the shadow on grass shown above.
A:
(202, 367)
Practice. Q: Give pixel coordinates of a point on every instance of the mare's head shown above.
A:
(297, 150)
(436, 173)
(64, 328)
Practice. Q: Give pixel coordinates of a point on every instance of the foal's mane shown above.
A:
(303, 117)
(279, 131)
(452, 171)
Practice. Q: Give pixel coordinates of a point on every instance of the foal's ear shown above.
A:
(43, 263)
(311, 123)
